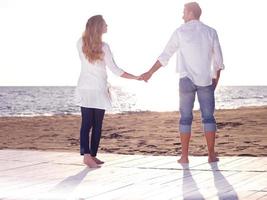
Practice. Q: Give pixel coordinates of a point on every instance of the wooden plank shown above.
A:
(51, 175)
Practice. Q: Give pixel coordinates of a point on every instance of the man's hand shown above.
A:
(145, 76)
(215, 83)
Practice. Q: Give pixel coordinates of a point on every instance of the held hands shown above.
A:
(138, 78)
(145, 76)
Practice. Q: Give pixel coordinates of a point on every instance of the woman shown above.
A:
(92, 91)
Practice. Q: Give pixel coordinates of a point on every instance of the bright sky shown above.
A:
(38, 38)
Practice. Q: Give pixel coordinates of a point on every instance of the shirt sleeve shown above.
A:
(79, 47)
(108, 58)
(170, 49)
(217, 54)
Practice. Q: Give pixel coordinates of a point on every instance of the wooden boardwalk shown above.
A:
(60, 175)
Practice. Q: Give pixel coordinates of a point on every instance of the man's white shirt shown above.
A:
(198, 50)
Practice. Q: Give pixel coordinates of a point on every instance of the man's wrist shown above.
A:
(150, 72)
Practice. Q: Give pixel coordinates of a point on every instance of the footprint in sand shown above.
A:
(141, 143)
(223, 143)
(241, 148)
(221, 125)
(112, 136)
(151, 146)
(226, 136)
(73, 141)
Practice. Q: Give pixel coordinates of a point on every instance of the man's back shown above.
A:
(196, 44)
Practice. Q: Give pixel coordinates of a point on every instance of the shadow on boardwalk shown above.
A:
(191, 191)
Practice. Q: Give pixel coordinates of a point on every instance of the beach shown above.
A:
(241, 132)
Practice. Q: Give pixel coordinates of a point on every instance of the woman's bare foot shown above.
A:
(89, 161)
(183, 160)
(99, 162)
(213, 158)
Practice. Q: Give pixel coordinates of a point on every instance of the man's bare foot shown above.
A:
(183, 160)
(88, 160)
(213, 158)
(99, 162)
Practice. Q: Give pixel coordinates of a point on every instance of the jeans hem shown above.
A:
(210, 127)
(185, 128)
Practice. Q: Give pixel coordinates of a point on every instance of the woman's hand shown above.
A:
(130, 76)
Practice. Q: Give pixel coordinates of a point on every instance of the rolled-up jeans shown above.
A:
(187, 92)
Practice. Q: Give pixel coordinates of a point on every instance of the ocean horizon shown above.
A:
(59, 100)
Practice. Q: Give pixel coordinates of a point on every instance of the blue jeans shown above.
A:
(187, 92)
(92, 118)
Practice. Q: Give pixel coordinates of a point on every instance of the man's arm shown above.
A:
(165, 56)
(146, 76)
(217, 60)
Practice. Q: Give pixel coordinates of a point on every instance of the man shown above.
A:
(199, 62)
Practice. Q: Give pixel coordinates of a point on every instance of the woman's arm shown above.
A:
(114, 68)
(129, 76)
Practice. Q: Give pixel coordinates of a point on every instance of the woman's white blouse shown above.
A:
(92, 88)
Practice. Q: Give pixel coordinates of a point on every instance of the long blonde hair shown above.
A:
(92, 38)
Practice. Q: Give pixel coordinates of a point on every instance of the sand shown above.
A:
(241, 132)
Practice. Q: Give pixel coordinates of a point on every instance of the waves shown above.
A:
(48, 101)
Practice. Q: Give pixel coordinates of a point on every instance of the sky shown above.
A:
(38, 39)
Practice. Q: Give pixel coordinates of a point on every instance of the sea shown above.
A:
(31, 101)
